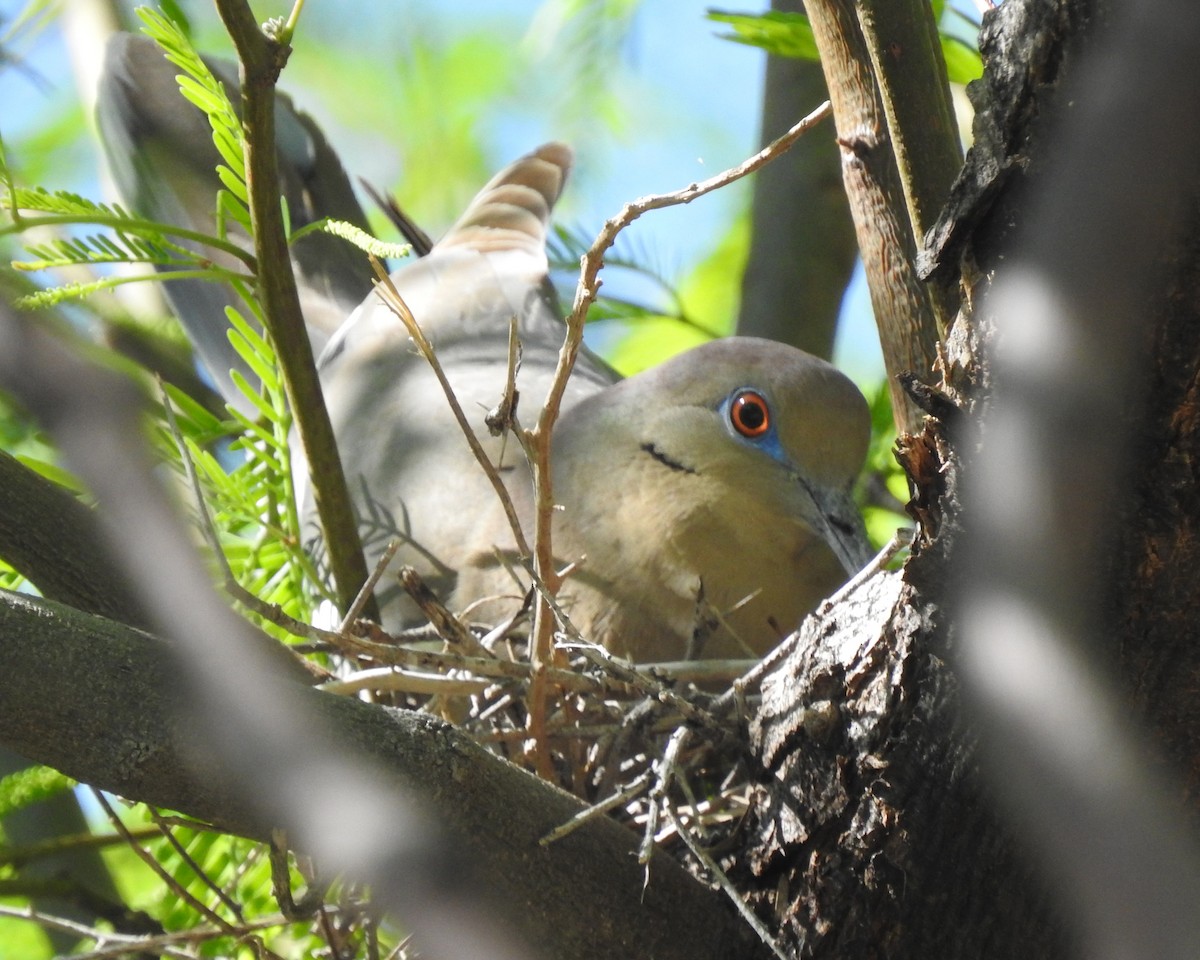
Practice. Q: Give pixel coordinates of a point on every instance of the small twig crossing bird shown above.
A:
(704, 505)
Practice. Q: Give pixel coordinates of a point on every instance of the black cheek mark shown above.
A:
(665, 460)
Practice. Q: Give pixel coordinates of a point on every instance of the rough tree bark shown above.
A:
(876, 834)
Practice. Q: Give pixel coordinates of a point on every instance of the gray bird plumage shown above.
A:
(706, 503)
(161, 155)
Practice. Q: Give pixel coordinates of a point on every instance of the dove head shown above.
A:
(724, 477)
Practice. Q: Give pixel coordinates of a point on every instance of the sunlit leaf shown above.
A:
(778, 32)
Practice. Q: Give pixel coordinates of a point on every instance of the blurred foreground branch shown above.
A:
(1062, 440)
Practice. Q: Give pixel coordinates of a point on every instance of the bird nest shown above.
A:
(659, 747)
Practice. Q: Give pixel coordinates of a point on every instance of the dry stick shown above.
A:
(499, 420)
(480, 666)
(400, 948)
(281, 882)
(666, 773)
(619, 799)
(449, 627)
(398, 680)
(697, 671)
(391, 298)
(42, 849)
(568, 730)
(649, 686)
(167, 834)
(368, 588)
(619, 679)
(123, 944)
(725, 884)
(146, 857)
(396, 655)
(538, 440)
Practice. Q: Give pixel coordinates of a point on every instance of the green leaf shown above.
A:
(201, 94)
(963, 62)
(196, 420)
(248, 391)
(96, 249)
(62, 202)
(790, 35)
(199, 86)
(228, 206)
(174, 12)
(29, 786)
(257, 351)
(236, 187)
(781, 33)
(52, 471)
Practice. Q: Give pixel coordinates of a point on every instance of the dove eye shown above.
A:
(749, 414)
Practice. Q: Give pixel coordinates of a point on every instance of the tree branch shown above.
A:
(262, 58)
(1086, 291)
(802, 249)
(55, 541)
(904, 310)
(906, 54)
(100, 702)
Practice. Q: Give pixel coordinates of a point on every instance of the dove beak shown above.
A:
(840, 525)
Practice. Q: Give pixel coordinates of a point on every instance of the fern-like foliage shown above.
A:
(565, 247)
(248, 504)
(200, 87)
(251, 503)
(132, 240)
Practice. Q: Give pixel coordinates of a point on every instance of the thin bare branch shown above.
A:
(714, 870)
(393, 301)
(148, 858)
(537, 440)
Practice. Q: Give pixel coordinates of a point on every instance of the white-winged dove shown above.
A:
(705, 503)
